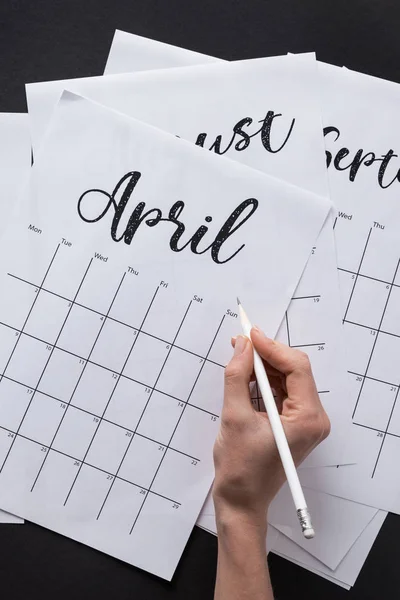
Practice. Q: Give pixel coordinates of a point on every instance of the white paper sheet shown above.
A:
(196, 106)
(15, 162)
(368, 256)
(348, 570)
(77, 456)
(135, 53)
(337, 522)
(131, 53)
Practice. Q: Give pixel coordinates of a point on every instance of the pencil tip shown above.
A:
(238, 301)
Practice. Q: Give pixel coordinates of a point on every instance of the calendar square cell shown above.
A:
(14, 400)
(385, 361)
(61, 375)
(179, 363)
(22, 465)
(127, 403)
(160, 417)
(359, 343)
(375, 403)
(350, 243)
(108, 447)
(388, 461)
(211, 377)
(66, 274)
(132, 302)
(171, 532)
(193, 336)
(166, 315)
(75, 433)
(306, 321)
(391, 319)
(146, 359)
(178, 474)
(88, 493)
(80, 331)
(368, 313)
(219, 347)
(47, 317)
(113, 345)
(141, 461)
(194, 427)
(94, 389)
(381, 244)
(28, 361)
(122, 506)
(8, 337)
(56, 478)
(42, 419)
(100, 287)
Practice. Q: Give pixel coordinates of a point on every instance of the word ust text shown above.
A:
(154, 216)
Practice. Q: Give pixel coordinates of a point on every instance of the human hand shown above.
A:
(248, 469)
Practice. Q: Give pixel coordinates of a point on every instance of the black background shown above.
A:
(56, 39)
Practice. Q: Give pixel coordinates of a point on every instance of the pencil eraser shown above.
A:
(309, 534)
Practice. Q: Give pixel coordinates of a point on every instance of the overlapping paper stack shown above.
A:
(120, 266)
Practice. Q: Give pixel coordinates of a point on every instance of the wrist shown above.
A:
(233, 520)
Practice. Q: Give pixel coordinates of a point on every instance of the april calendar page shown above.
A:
(119, 278)
(264, 113)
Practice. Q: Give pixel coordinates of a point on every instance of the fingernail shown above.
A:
(240, 345)
(258, 330)
(233, 340)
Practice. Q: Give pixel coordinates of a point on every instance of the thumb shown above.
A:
(238, 372)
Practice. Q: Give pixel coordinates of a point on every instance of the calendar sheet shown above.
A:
(119, 280)
(361, 135)
(349, 568)
(15, 162)
(129, 53)
(266, 115)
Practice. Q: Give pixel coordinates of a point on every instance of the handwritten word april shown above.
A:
(154, 216)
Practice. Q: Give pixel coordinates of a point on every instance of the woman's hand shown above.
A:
(248, 469)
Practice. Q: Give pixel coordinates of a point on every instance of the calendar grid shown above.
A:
(84, 459)
(114, 473)
(376, 337)
(78, 460)
(50, 353)
(377, 331)
(111, 370)
(80, 375)
(146, 405)
(112, 393)
(97, 312)
(39, 288)
(97, 416)
(180, 416)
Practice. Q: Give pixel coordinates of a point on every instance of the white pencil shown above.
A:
(279, 435)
